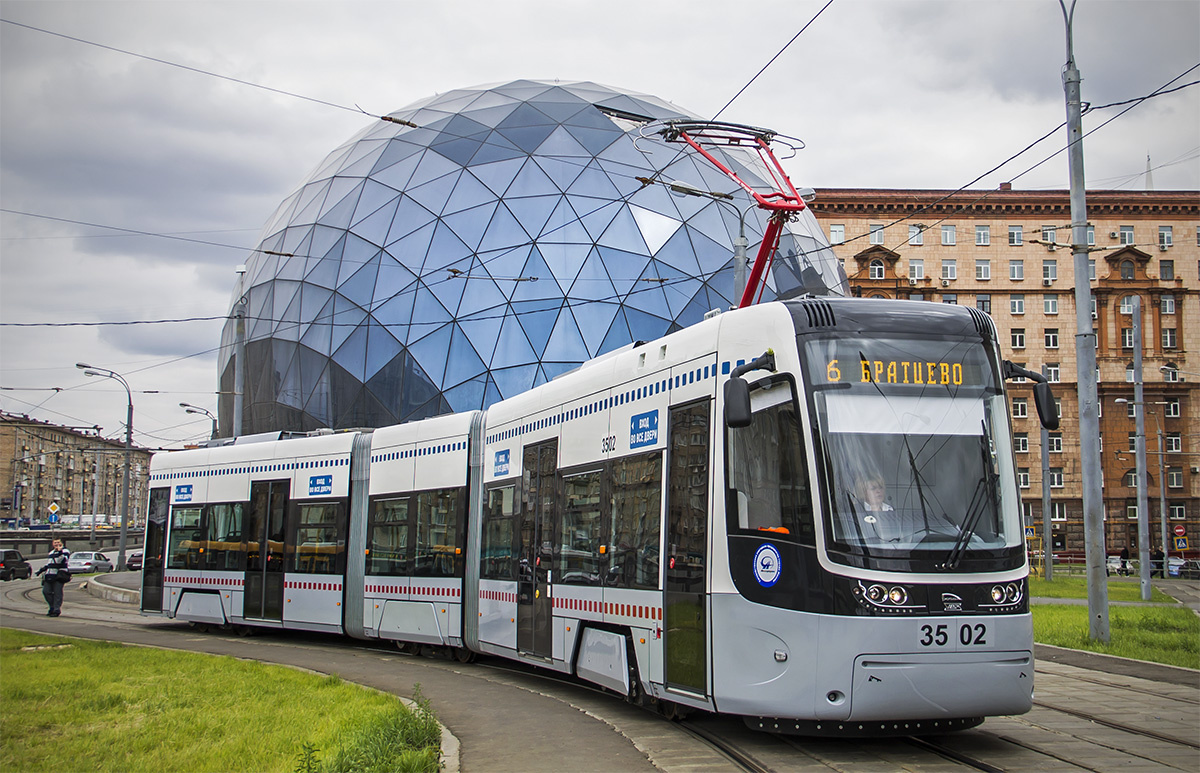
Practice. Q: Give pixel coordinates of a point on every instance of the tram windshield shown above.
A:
(916, 454)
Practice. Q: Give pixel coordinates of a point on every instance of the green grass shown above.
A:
(111, 707)
(1076, 588)
(1158, 634)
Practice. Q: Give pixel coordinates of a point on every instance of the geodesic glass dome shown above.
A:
(503, 240)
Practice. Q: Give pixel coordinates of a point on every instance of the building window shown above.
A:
(1170, 373)
(1127, 270)
(1132, 439)
(1092, 270)
(1052, 372)
(1174, 442)
(949, 236)
(1131, 511)
(1050, 269)
(1173, 411)
(1129, 380)
(949, 269)
(837, 234)
(1165, 238)
(1018, 338)
(1178, 511)
(1058, 511)
(875, 271)
(915, 236)
(1049, 232)
(983, 270)
(1016, 269)
(916, 296)
(1127, 304)
(1021, 442)
(1055, 442)
(1126, 234)
(1056, 477)
(1174, 477)
(1050, 303)
(1051, 338)
(983, 235)
(1020, 408)
(950, 298)
(1168, 304)
(1091, 237)
(1023, 477)
(916, 269)
(983, 302)
(1016, 304)
(876, 234)
(1168, 338)
(1014, 236)
(1131, 482)
(1166, 270)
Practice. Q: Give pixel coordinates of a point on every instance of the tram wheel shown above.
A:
(244, 630)
(672, 710)
(201, 627)
(408, 648)
(463, 655)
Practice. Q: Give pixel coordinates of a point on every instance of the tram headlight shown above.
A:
(898, 596)
(998, 594)
(1012, 592)
(876, 593)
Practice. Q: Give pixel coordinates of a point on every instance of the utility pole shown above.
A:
(239, 354)
(1139, 446)
(1047, 535)
(1085, 356)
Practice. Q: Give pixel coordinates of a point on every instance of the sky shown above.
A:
(132, 185)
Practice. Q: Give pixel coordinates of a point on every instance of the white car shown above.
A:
(87, 563)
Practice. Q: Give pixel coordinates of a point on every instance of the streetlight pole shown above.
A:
(740, 243)
(88, 370)
(1139, 445)
(189, 408)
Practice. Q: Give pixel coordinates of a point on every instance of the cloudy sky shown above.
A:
(131, 188)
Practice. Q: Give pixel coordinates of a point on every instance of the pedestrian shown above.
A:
(55, 575)
(1124, 561)
(1156, 562)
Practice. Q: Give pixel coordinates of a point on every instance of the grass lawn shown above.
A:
(106, 706)
(1158, 634)
(1065, 587)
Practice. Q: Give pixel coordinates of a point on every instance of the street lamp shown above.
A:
(1162, 482)
(189, 408)
(88, 370)
(740, 243)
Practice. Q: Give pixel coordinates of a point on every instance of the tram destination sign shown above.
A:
(902, 363)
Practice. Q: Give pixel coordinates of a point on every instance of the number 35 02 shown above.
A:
(969, 635)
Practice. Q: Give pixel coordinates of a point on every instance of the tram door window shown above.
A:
(496, 556)
(685, 630)
(319, 538)
(153, 560)
(387, 538)
(223, 549)
(580, 559)
(536, 549)
(265, 550)
(186, 538)
(636, 522)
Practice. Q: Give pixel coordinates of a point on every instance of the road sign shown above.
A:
(1181, 543)
(1179, 530)
(1029, 532)
(54, 508)
(53, 518)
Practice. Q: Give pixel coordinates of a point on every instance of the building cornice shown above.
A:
(1000, 203)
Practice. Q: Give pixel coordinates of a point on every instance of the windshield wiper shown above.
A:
(987, 487)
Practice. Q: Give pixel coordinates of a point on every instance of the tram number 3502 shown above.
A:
(969, 635)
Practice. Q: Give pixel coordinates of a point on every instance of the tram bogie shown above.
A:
(846, 550)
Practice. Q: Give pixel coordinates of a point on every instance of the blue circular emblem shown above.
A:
(768, 565)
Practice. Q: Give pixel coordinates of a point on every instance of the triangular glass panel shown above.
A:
(511, 382)
(486, 100)
(468, 193)
(531, 181)
(373, 197)
(374, 228)
(511, 346)
(561, 143)
(360, 287)
(491, 394)
(393, 278)
(594, 213)
(463, 362)
(433, 195)
(564, 261)
(396, 165)
(594, 319)
(624, 268)
(566, 343)
(410, 250)
(347, 317)
(469, 224)
(497, 148)
(563, 227)
(482, 332)
(387, 384)
(624, 234)
(712, 256)
(656, 229)
(499, 175)
(618, 335)
(289, 318)
(356, 254)
(323, 241)
(467, 396)
(318, 334)
(562, 171)
(481, 293)
(645, 327)
(352, 353)
(432, 167)
(430, 352)
(312, 199)
(532, 212)
(428, 313)
(648, 295)
(339, 215)
(592, 282)
(679, 256)
(538, 280)
(410, 217)
(537, 319)
(381, 348)
(291, 268)
(323, 272)
(396, 313)
(445, 249)
(594, 183)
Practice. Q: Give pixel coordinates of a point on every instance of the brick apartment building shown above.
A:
(1008, 252)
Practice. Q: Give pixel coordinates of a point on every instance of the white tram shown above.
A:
(803, 513)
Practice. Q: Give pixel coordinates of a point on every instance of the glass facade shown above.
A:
(503, 241)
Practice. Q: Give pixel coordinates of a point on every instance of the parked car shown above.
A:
(133, 562)
(1189, 570)
(14, 566)
(86, 563)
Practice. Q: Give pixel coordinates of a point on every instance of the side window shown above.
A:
(387, 538)
(320, 540)
(185, 539)
(768, 473)
(496, 556)
(580, 559)
(636, 519)
(224, 527)
(439, 526)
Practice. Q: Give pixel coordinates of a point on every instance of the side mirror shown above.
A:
(1043, 398)
(737, 403)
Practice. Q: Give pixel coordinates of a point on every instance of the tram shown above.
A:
(804, 513)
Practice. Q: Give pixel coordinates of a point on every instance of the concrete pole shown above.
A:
(1047, 525)
(1162, 494)
(1085, 357)
(1139, 444)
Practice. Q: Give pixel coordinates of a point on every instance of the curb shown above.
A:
(95, 587)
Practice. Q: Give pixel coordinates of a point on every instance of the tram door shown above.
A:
(536, 550)
(155, 551)
(263, 597)
(685, 629)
